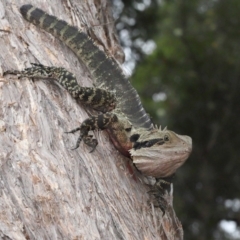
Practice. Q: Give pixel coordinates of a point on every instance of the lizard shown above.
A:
(155, 152)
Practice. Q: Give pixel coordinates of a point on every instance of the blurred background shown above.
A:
(184, 57)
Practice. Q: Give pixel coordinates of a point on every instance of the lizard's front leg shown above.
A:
(97, 98)
(100, 122)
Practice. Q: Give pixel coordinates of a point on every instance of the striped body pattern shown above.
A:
(99, 99)
(103, 68)
(155, 152)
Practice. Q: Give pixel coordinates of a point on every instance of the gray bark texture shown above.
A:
(48, 191)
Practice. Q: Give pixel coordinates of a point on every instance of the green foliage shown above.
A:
(196, 63)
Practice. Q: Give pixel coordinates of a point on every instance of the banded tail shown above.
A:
(104, 69)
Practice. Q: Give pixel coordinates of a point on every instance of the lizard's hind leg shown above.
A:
(98, 122)
(97, 98)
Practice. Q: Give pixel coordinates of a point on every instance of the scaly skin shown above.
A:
(155, 152)
(104, 69)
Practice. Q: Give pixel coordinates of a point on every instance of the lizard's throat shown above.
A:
(159, 162)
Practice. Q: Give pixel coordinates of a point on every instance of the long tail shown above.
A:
(104, 69)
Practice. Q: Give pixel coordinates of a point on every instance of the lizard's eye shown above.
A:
(166, 138)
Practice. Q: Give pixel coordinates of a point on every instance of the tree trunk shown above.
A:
(48, 191)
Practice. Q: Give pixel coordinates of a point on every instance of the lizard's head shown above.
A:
(159, 153)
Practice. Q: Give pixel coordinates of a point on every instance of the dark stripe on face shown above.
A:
(134, 137)
(147, 144)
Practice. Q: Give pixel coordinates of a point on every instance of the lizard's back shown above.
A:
(105, 70)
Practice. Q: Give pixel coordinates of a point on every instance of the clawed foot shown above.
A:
(91, 142)
(158, 192)
(88, 140)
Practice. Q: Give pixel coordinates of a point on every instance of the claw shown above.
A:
(13, 72)
(92, 144)
(75, 148)
(74, 130)
(93, 149)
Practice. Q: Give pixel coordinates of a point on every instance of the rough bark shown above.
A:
(48, 191)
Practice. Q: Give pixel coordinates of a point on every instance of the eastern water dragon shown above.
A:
(155, 152)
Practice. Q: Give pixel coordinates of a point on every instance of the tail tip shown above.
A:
(25, 8)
